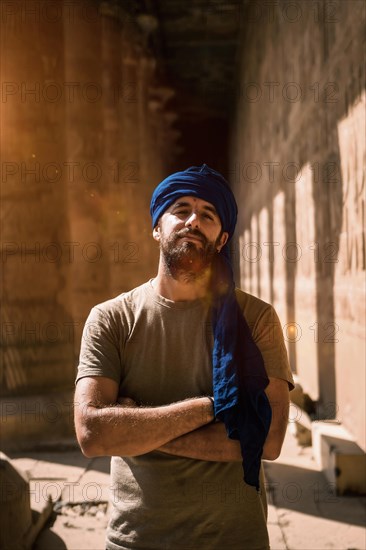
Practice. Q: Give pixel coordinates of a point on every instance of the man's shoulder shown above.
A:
(250, 302)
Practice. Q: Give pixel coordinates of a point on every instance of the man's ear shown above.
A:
(156, 232)
(223, 240)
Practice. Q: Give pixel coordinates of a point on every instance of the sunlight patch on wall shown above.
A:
(279, 267)
(305, 283)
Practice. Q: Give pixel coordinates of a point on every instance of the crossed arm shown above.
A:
(105, 427)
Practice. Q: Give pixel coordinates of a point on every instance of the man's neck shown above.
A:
(181, 288)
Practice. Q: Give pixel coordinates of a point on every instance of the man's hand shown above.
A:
(279, 397)
(106, 426)
(212, 443)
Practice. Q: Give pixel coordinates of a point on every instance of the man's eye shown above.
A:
(208, 216)
(181, 212)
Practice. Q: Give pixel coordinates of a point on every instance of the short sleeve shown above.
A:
(268, 335)
(99, 352)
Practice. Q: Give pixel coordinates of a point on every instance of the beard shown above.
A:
(187, 259)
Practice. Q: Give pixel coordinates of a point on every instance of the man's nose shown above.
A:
(193, 220)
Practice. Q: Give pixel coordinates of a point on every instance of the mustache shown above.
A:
(191, 233)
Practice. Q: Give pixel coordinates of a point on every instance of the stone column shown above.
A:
(128, 235)
(147, 154)
(87, 189)
(113, 128)
(36, 324)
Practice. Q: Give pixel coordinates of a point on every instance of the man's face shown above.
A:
(189, 233)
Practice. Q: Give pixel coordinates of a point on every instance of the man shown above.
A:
(151, 361)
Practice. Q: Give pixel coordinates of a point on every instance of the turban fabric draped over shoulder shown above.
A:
(239, 375)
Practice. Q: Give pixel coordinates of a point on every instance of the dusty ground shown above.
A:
(304, 513)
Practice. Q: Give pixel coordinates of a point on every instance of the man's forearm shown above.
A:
(207, 443)
(211, 442)
(131, 431)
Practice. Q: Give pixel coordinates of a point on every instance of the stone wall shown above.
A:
(297, 161)
(88, 131)
(84, 141)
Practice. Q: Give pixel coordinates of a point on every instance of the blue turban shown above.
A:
(239, 375)
(202, 182)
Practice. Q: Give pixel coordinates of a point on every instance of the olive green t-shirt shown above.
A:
(159, 352)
